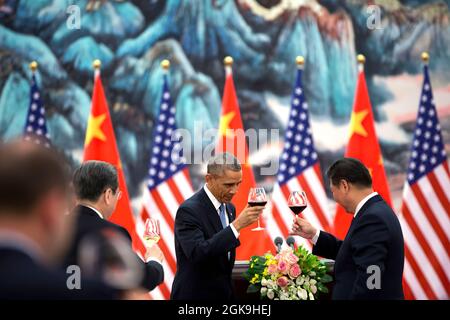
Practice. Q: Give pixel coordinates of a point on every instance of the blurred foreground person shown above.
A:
(34, 226)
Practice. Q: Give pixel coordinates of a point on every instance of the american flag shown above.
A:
(426, 207)
(299, 170)
(168, 185)
(35, 125)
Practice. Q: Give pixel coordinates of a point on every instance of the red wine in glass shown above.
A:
(257, 203)
(257, 197)
(297, 209)
(297, 202)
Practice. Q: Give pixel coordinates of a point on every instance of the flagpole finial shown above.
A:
(33, 66)
(228, 61)
(300, 61)
(425, 57)
(97, 64)
(361, 59)
(165, 64)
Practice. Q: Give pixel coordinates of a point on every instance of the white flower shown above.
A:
(263, 291)
(312, 282)
(312, 274)
(284, 296)
(311, 296)
(270, 294)
(306, 284)
(302, 294)
(313, 289)
(264, 282)
(299, 281)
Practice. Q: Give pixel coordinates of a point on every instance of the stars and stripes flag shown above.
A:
(425, 211)
(36, 125)
(168, 185)
(299, 170)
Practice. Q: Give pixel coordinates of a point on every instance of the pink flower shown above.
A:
(282, 267)
(295, 271)
(272, 269)
(282, 281)
(291, 258)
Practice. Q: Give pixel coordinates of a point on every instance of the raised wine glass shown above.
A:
(257, 197)
(151, 233)
(297, 202)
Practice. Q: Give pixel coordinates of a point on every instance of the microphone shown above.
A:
(278, 242)
(291, 242)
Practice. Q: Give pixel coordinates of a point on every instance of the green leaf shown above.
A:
(326, 278)
(252, 288)
(322, 288)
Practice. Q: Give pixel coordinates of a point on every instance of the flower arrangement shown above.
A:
(290, 275)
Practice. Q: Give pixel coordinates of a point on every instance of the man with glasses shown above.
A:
(97, 190)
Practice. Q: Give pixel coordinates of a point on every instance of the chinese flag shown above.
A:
(363, 145)
(100, 144)
(232, 140)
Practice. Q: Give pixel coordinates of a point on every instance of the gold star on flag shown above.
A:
(94, 129)
(356, 125)
(225, 124)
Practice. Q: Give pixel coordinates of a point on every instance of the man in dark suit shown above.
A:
(34, 229)
(207, 232)
(369, 261)
(97, 190)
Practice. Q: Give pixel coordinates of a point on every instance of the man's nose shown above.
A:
(234, 190)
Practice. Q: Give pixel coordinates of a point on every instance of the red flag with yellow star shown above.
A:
(363, 145)
(100, 144)
(232, 140)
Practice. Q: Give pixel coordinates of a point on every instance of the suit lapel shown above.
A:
(230, 213)
(211, 213)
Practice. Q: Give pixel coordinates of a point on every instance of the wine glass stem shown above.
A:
(258, 224)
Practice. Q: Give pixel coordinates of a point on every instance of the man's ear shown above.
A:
(345, 185)
(107, 196)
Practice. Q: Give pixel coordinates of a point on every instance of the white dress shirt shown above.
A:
(216, 205)
(358, 207)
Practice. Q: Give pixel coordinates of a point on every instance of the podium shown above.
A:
(241, 284)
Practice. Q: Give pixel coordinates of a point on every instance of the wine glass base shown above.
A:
(258, 229)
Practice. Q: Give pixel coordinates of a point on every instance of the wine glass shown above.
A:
(151, 232)
(297, 201)
(257, 197)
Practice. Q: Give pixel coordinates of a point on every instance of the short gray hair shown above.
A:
(222, 161)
